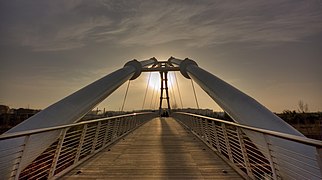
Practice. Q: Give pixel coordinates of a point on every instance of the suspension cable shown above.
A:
(177, 83)
(152, 97)
(127, 89)
(157, 100)
(146, 90)
(172, 92)
(194, 92)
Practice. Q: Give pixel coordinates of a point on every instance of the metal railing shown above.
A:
(76, 143)
(254, 160)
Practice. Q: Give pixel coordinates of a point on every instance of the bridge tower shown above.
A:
(164, 87)
(242, 108)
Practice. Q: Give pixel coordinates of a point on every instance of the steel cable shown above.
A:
(194, 92)
(127, 89)
(175, 76)
(146, 90)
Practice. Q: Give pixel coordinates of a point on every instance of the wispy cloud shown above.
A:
(225, 22)
(67, 25)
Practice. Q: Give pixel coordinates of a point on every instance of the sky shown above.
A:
(270, 50)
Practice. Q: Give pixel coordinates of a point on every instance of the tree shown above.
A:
(303, 107)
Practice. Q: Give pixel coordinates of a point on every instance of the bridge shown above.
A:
(55, 144)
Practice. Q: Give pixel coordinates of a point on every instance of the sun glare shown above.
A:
(155, 80)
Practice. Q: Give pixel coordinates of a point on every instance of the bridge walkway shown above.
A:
(160, 149)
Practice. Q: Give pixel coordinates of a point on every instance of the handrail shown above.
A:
(74, 144)
(257, 153)
(291, 137)
(41, 130)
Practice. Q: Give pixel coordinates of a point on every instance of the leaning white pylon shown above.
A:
(68, 110)
(247, 111)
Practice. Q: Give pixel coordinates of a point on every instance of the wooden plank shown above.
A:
(160, 149)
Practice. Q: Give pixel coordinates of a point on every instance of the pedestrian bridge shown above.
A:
(54, 144)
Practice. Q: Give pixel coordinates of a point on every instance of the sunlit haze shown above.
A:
(271, 50)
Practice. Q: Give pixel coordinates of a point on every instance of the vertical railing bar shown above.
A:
(191, 119)
(194, 124)
(201, 128)
(57, 153)
(122, 121)
(119, 129)
(211, 134)
(216, 136)
(116, 128)
(207, 134)
(106, 133)
(22, 154)
(96, 136)
(230, 155)
(186, 121)
(270, 158)
(136, 120)
(244, 153)
(125, 125)
(130, 123)
(81, 142)
(189, 122)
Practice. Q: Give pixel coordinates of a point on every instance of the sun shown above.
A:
(155, 80)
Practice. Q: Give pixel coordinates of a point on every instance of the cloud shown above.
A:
(61, 25)
(225, 22)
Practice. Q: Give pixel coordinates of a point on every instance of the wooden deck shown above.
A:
(160, 149)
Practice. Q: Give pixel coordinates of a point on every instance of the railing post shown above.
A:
(81, 142)
(130, 123)
(185, 120)
(122, 122)
(207, 134)
(57, 153)
(98, 128)
(199, 120)
(270, 157)
(22, 154)
(125, 125)
(195, 125)
(120, 128)
(202, 129)
(188, 122)
(106, 133)
(244, 153)
(214, 129)
(136, 121)
(192, 122)
(230, 155)
(116, 128)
